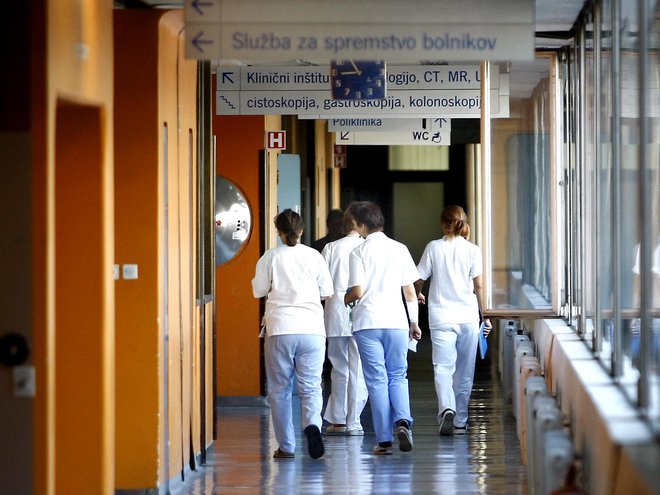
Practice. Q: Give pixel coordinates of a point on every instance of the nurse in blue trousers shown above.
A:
(380, 270)
(294, 278)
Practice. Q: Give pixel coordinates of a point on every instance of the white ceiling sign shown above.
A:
(424, 91)
(308, 78)
(430, 103)
(419, 137)
(453, 30)
(387, 125)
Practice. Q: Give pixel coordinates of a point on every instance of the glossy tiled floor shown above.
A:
(486, 461)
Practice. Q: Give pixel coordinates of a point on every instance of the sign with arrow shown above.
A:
(208, 11)
(317, 77)
(458, 30)
(358, 124)
(423, 104)
(419, 137)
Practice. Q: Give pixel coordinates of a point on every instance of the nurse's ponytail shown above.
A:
(454, 222)
(291, 225)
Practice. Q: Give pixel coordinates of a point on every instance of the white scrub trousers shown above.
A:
(348, 392)
(454, 355)
(288, 356)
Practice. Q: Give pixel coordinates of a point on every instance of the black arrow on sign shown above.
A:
(343, 136)
(226, 77)
(198, 41)
(197, 4)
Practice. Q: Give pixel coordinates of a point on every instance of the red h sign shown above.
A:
(275, 140)
(339, 156)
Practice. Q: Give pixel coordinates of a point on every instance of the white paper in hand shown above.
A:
(412, 345)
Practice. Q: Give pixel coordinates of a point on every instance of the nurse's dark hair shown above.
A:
(348, 221)
(367, 214)
(454, 221)
(291, 225)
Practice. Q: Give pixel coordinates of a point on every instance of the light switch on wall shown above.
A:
(130, 272)
(24, 381)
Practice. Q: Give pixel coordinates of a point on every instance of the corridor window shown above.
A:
(521, 185)
(611, 160)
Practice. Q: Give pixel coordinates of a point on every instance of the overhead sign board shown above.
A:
(258, 30)
(454, 104)
(419, 137)
(414, 90)
(358, 124)
(317, 77)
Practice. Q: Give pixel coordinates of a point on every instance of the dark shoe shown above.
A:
(280, 454)
(461, 430)
(404, 435)
(383, 448)
(314, 442)
(447, 422)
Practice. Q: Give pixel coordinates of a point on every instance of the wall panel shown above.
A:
(239, 140)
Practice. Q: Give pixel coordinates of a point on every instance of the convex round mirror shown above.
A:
(233, 220)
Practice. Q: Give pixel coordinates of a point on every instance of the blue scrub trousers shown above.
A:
(288, 356)
(384, 354)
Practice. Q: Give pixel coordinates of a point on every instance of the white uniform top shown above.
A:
(336, 254)
(451, 263)
(381, 266)
(294, 278)
(655, 260)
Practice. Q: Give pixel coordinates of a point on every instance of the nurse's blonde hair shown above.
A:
(454, 222)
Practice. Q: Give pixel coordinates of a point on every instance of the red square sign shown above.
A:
(275, 140)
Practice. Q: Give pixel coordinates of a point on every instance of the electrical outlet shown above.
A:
(129, 272)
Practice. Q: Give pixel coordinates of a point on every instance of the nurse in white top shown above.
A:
(454, 266)
(294, 278)
(348, 391)
(380, 269)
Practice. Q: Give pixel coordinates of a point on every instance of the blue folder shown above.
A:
(483, 342)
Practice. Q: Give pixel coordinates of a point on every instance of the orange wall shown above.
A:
(80, 400)
(238, 141)
(137, 200)
(71, 60)
(156, 385)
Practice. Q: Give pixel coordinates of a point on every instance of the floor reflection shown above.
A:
(486, 461)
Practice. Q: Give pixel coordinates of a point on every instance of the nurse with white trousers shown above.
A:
(348, 392)
(454, 266)
(294, 278)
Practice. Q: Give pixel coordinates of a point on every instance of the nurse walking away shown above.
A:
(348, 394)
(454, 266)
(294, 278)
(379, 269)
